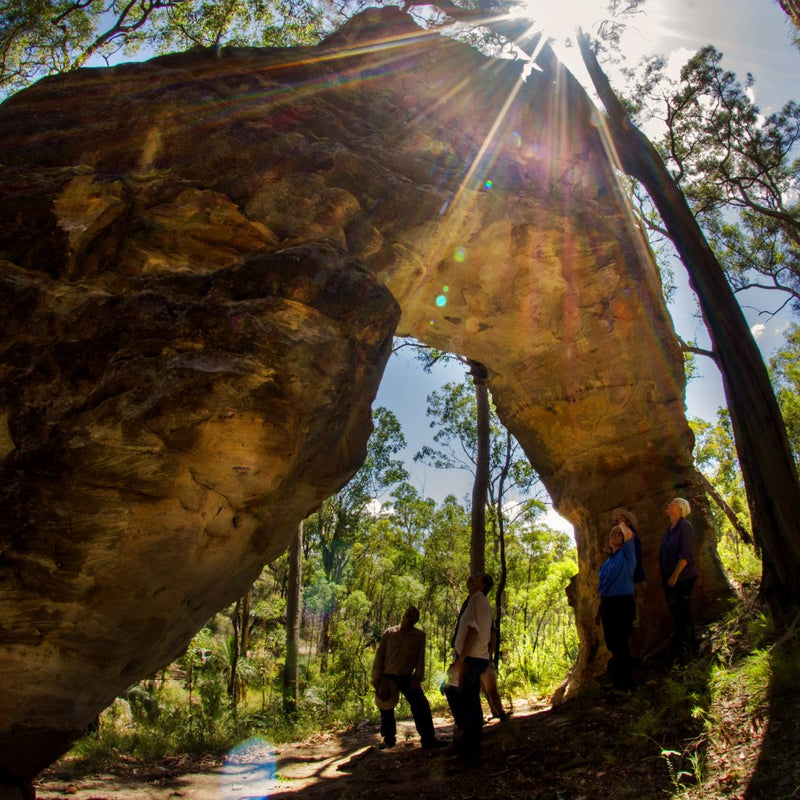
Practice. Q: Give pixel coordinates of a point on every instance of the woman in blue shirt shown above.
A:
(617, 605)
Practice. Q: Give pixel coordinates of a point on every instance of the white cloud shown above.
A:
(557, 522)
(758, 330)
(377, 509)
(675, 62)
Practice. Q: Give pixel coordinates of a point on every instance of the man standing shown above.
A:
(471, 645)
(401, 658)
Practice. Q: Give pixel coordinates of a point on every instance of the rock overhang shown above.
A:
(206, 257)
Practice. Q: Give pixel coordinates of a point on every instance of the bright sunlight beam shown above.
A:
(559, 19)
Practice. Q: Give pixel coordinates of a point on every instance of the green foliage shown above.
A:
(40, 38)
(740, 560)
(453, 413)
(749, 679)
(683, 704)
(785, 374)
(540, 634)
(715, 456)
(737, 168)
(363, 564)
(333, 529)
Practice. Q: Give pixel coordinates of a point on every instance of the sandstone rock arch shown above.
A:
(204, 260)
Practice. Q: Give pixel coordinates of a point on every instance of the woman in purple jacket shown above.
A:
(678, 575)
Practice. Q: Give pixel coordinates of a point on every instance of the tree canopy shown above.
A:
(43, 37)
(737, 168)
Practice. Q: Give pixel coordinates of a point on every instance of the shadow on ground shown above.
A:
(597, 747)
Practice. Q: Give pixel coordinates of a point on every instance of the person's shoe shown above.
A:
(386, 744)
(433, 744)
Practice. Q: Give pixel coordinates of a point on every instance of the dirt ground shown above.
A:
(593, 748)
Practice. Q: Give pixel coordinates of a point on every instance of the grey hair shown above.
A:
(683, 505)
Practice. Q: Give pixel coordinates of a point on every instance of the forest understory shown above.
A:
(725, 727)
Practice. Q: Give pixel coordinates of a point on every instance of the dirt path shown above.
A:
(601, 747)
(326, 765)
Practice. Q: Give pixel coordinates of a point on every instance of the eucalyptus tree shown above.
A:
(453, 414)
(446, 550)
(294, 594)
(334, 528)
(785, 373)
(738, 169)
(769, 472)
(43, 37)
(771, 481)
(479, 443)
(715, 456)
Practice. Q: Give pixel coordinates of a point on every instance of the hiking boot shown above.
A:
(433, 744)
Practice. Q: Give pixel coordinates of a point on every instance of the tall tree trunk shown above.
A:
(244, 634)
(480, 487)
(293, 604)
(501, 536)
(769, 472)
(234, 654)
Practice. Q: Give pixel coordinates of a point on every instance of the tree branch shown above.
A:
(744, 534)
(699, 351)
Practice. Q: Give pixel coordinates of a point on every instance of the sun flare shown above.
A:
(560, 20)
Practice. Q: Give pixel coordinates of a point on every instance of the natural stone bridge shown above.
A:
(204, 260)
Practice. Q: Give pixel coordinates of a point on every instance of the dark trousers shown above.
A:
(617, 615)
(465, 703)
(420, 709)
(679, 603)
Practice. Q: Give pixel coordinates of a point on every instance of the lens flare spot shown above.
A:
(460, 254)
(249, 771)
(441, 301)
(445, 289)
(488, 184)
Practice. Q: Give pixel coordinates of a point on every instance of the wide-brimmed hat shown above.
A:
(386, 694)
(624, 512)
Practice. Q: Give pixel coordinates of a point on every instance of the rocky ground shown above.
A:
(599, 747)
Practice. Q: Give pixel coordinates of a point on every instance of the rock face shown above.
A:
(204, 259)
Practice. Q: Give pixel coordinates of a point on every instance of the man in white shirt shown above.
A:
(401, 658)
(471, 646)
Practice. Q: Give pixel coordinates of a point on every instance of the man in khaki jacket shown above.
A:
(400, 658)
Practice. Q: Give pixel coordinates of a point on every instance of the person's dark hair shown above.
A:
(488, 582)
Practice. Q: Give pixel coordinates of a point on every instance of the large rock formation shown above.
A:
(205, 257)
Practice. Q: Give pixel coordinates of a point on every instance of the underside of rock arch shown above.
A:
(204, 259)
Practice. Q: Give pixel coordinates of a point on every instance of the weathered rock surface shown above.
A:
(204, 259)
